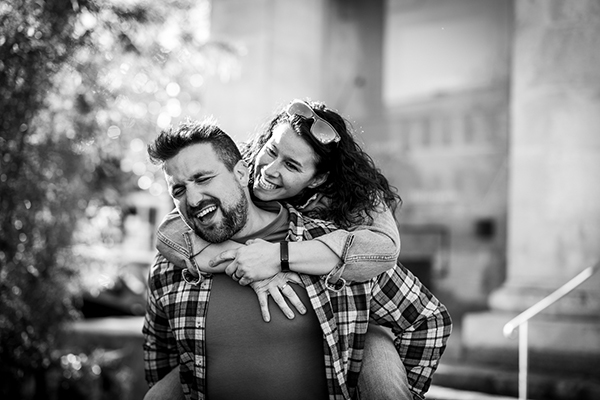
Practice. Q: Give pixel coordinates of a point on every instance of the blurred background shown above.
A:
(485, 114)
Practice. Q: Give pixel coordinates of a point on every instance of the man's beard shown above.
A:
(232, 221)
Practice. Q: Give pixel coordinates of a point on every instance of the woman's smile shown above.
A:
(264, 184)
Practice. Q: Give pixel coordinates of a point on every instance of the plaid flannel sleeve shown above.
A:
(421, 324)
(160, 348)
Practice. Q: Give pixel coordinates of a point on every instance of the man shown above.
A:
(223, 350)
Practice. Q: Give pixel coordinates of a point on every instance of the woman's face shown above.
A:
(284, 166)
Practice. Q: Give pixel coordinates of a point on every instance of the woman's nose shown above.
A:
(272, 169)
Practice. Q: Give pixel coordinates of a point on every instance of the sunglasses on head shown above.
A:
(320, 129)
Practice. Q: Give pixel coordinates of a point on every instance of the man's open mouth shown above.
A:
(206, 213)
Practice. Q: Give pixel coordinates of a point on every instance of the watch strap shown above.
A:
(284, 256)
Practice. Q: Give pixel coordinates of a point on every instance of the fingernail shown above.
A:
(210, 263)
(290, 316)
(302, 311)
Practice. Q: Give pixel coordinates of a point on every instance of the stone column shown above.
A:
(353, 58)
(554, 183)
(327, 50)
(278, 47)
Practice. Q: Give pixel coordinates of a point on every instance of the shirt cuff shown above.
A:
(334, 280)
(191, 278)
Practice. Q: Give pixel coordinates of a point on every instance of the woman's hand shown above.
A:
(255, 261)
(277, 287)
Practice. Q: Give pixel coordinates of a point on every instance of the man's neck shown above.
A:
(258, 218)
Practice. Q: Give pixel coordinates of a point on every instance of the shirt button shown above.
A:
(199, 363)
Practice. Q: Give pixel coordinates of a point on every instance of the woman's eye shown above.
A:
(270, 151)
(292, 166)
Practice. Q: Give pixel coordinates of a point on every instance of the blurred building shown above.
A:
(483, 113)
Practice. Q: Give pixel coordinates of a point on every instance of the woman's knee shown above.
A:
(383, 375)
(168, 388)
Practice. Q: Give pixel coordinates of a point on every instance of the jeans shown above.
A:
(382, 376)
(168, 388)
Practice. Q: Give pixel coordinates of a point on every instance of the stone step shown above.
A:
(444, 393)
(488, 380)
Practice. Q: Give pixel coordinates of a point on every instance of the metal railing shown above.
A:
(521, 321)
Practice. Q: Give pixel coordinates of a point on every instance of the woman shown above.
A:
(325, 175)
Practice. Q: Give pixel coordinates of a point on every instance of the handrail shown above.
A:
(547, 301)
(521, 321)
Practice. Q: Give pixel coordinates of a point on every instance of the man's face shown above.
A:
(209, 197)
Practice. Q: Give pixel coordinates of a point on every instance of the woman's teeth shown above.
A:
(266, 185)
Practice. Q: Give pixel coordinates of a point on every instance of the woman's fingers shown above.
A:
(293, 298)
(276, 295)
(279, 288)
(263, 300)
(292, 277)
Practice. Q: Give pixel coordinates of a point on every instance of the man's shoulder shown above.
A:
(163, 274)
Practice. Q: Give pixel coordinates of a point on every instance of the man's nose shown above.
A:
(194, 197)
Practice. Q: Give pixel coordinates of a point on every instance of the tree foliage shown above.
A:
(39, 184)
(81, 81)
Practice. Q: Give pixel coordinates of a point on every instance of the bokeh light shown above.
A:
(145, 182)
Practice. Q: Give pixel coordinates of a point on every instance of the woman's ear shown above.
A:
(241, 172)
(318, 180)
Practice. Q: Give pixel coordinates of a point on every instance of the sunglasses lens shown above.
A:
(320, 129)
(301, 109)
(323, 132)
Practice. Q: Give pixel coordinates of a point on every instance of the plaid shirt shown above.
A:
(174, 327)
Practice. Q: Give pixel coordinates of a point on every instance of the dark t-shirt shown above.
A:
(248, 358)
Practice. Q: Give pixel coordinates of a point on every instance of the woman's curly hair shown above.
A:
(355, 187)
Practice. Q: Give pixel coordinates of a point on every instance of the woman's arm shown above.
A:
(359, 254)
(365, 251)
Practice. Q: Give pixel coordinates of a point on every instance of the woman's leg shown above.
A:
(168, 388)
(383, 375)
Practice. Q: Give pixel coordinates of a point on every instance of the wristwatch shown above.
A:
(284, 256)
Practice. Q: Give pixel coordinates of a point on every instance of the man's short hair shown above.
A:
(171, 141)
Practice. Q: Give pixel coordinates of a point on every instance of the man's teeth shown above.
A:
(206, 211)
(266, 185)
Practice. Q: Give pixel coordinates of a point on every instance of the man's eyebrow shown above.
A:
(200, 174)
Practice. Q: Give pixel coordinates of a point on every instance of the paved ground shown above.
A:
(442, 393)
